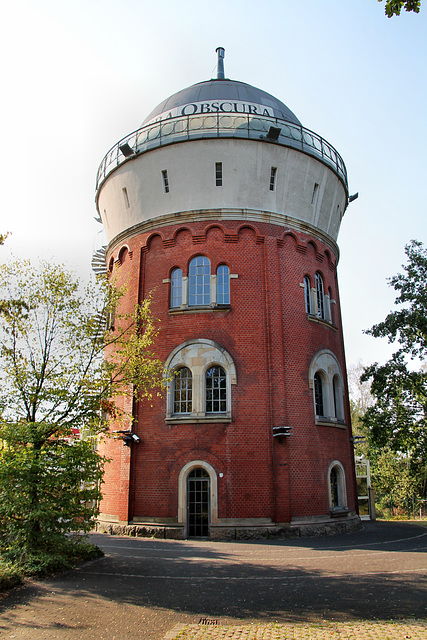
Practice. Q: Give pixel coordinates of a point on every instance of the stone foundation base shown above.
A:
(306, 528)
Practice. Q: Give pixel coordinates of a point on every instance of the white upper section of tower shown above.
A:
(271, 168)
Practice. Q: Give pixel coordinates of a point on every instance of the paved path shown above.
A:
(144, 588)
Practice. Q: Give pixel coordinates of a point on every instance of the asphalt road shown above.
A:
(143, 587)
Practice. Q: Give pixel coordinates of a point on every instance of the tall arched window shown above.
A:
(216, 390)
(183, 391)
(199, 285)
(318, 395)
(176, 288)
(320, 296)
(338, 390)
(223, 284)
(307, 294)
(330, 318)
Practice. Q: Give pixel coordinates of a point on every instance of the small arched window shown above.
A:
(199, 281)
(334, 488)
(183, 391)
(307, 294)
(216, 390)
(223, 284)
(320, 296)
(318, 395)
(176, 288)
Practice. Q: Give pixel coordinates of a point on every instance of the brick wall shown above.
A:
(272, 342)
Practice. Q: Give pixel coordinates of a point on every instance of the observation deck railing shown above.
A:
(246, 126)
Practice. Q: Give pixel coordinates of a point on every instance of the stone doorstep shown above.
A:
(368, 630)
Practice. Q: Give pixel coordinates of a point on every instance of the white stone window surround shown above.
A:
(342, 491)
(326, 364)
(199, 355)
(182, 491)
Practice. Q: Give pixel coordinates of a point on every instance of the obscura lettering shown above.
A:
(194, 108)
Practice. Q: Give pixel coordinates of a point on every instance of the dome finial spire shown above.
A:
(220, 68)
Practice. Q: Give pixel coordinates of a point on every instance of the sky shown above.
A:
(78, 75)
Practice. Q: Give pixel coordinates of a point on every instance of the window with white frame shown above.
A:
(273, 174)
(318, 394)
(216, 390)
(317, 303)
(320, 296)
(201, 375)
(176, 288)
(223, 284)
(199, 281)
(338, 397)
(326, 382)
(307, 295)
(200, 288)
(183, 390)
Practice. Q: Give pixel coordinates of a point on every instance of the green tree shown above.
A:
(394, 7)
(55, 384)
(397, 421)
(393, 480)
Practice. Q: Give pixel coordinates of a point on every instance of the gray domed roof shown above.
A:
(225, 92)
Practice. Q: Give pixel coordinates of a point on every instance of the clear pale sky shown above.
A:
(78, 75)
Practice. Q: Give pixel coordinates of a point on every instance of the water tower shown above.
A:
(228, 209)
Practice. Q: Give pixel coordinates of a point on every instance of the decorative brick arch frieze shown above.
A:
(152, 236)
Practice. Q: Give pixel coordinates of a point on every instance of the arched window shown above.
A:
(326, 381)
(183, 391)
(318, 395)
(336, 487)
(333, 483)
(176, 288)
(223, 284)
(330, 318)
(216, 390)
(320, 296)
(307, 294)
(199, 285)
(201, 386)
(338, 402)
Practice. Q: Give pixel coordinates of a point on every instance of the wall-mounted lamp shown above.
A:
(126, 150)
(273, 134)
(282, 430)
(129, 436)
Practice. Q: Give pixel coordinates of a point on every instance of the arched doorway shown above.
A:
(198, 503)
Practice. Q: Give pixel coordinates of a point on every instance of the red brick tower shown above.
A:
(228, 209)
